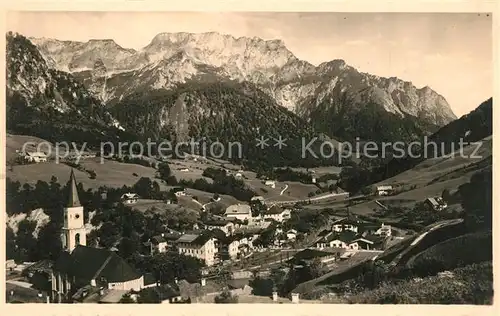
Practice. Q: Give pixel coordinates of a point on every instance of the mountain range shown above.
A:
(331, 90)
(206, 85)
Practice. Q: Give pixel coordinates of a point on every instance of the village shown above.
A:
(230, 241)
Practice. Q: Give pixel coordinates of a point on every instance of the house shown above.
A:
(384, 231)
(10, 264)
(184, 170)
(198, 245)
(436, 203)
(229, 249)
(239, 211)
(226, 225)
(306, 256)
(238, 175)
(178, 191)
(257, 198)
(129, 198)
(270, 183)
(345, 224)
(36, 156)
(291, 234)
(344, 239)
(384, 190)
(161, 242)
(276, 213)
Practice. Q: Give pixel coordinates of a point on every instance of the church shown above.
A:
(81, 266)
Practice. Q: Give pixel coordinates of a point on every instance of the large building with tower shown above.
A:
(80, 266)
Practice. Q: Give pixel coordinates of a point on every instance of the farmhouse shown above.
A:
(384, 190)
(276, 213)
(270, 183)
(226, 225)
(436, 203)
(198, 245)
(384, 231)
(345, 224)
(161, 242)
(36, 156)
(346, 240)
(178, 191)
(129, 198)
(257, 198)
(239, 211)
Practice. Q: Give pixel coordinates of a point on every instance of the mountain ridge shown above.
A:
(171, 59)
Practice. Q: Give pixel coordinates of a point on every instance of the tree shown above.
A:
(446, 195)
(225, 297)
(164, 171)
(170, 265)
(477, 200)
(126, 299)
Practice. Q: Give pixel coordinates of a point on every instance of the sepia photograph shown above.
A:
(248, 157)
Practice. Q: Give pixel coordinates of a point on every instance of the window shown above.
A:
(77, 239)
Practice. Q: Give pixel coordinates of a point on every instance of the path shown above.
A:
(283, 191)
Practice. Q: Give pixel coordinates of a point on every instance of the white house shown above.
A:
(129, 198)
(239, 211)
(201, 246)
(270, 183)
(179, 191)
(346, 240)
(36, 156)
(257, 198)
(345, 224)
(277, 213)
(161, 242)
(384, 230)
(184, 170)
(225, 225)
(291, 234)
(384, 189)
(437, 203)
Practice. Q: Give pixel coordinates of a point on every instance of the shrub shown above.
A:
(472, 284)
(226, 298)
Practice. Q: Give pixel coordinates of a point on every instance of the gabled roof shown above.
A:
(89, 263)
(73, 199)
(345, 236)
(195, 239)
(275, 209)
(346, 221)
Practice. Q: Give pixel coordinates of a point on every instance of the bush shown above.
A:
(226, 298)
(469, 285)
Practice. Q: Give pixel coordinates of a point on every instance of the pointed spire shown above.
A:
(74, 200)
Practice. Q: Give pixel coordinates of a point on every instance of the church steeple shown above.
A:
(73, 230)
(73, 200)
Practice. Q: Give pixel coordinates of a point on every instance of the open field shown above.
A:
(430, 169)
(111, 173)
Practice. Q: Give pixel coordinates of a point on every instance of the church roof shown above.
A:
(73, 200)
(89, 263)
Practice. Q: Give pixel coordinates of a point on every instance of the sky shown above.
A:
(449, 52)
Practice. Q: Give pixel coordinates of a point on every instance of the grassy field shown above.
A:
(430, 169)
(110, 173)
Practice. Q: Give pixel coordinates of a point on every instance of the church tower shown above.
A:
(73, 231)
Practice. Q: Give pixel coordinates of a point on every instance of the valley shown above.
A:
(271, 223)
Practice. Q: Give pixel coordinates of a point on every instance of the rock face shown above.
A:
(46, 102)
(175, 58)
